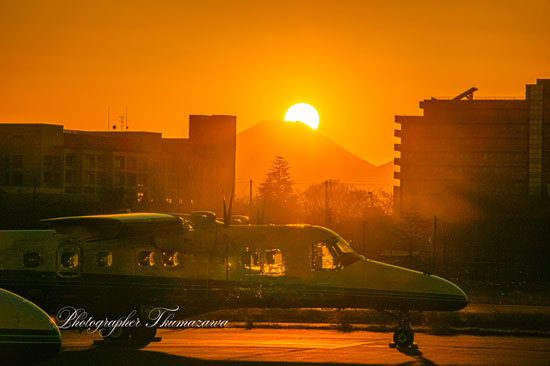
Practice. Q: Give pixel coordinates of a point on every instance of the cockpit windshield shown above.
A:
(344, 246)
(333, 254)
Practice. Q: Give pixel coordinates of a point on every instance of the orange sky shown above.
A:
(358, 63)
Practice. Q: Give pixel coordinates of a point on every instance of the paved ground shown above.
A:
(267, 347)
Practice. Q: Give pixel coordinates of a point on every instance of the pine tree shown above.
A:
(277, 185)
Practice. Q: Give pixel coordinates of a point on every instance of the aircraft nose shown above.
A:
(456, 298)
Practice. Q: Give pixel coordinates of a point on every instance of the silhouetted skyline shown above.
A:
(358, 63)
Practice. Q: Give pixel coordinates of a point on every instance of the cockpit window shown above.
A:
(332, 254)
(323, 258)
(344, 247)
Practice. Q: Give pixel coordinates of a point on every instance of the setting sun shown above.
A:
(304, 113)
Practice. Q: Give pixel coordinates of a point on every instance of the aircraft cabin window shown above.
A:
(171, 260)
(250, 260)
(104, 259)
(146, 259)
(69, 260)
(263, 262)
(324, 257)
(274, 265)
(32, 260)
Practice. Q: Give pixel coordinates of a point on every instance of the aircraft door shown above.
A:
(69, 260)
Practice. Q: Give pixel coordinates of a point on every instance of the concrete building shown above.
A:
(102, 171)
(465, 157)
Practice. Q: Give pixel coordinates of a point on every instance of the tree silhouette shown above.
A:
(277, 185)
(279, 199)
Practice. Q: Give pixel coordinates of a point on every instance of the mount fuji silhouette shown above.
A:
(312, 157)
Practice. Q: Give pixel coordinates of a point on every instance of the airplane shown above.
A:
(27, 333)
(114, 264)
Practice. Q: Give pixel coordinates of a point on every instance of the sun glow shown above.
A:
(304, 113)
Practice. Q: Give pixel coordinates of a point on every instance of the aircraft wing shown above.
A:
(102, 227)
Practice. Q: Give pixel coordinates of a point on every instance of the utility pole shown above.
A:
(326, 204)
(364, 232)
(433, 242)
(250, 202)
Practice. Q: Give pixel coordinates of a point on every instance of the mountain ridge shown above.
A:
(312, 157)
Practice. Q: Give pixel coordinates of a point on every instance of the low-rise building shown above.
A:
(92, 171)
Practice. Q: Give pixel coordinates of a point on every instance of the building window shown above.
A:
(69, 177)
(73, 190)
(100, 161)
(142, 180)
(143, 164)
(119, 179)
(48, 178)
(119, 162)
(131, 180)
(70, 160)
(89, 178)
(89, 161)
(52, 161)
(5, 179)
(132, 163)
(100, 179)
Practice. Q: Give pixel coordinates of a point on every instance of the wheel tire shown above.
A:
(403, 338)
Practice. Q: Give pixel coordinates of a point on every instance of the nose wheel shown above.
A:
(403, 337)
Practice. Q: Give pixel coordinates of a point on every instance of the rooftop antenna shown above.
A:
(121, 120)
(126, 119)
(108, 117)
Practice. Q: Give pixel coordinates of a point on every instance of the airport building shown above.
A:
(98, 172)
(466, 157)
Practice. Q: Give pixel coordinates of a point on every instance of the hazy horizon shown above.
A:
(359, 63)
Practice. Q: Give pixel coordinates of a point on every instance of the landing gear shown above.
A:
(403, 337)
